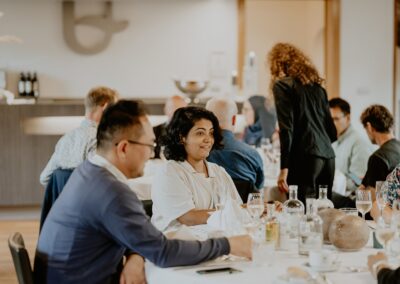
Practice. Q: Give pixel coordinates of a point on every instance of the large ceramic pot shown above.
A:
(349, 233)
(328, 216)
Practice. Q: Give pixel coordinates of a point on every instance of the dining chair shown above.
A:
(20, 258)
(244, 187)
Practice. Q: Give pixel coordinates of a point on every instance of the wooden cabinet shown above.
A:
(22, 156)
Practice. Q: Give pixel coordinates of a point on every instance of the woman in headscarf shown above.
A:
(260, 117)
(306, 127)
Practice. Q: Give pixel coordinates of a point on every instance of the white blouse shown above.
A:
(178, 188)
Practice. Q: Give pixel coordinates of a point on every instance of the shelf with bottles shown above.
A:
(28, 85)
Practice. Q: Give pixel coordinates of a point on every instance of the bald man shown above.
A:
(240, 160)
(171, 105)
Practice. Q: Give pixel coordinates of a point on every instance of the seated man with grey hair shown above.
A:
(240, 160)
(75, 146)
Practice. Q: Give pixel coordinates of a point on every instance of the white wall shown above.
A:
(300, 22)
(366, 54)
(164, 39)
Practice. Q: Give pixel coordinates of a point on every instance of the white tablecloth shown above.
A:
(264, 272)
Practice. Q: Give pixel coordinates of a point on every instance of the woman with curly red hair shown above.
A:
(305, 123)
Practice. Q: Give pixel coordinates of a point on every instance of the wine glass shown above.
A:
(380, 196)
(396, 216)
(363, 201)
(384, 232)
(255, 204)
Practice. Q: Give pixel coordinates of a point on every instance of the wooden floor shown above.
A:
(29, 231)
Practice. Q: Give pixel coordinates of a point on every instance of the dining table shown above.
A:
(270, 266)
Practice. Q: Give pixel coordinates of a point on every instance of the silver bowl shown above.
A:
(191, 88)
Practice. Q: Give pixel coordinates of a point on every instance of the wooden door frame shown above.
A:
(332, 45)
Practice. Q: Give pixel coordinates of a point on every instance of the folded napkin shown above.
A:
(231, 219)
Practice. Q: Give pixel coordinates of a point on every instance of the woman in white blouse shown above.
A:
(188, 187)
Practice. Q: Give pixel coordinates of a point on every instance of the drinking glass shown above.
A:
(363, 201)
(384, 232)
(380, 196)
(255, 205)
(396, 216)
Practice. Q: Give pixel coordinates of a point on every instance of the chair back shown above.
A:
(53, 189)
(244, 187)
(148, 207)
(20, 258)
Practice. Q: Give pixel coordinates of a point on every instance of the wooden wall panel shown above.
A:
(332, 47)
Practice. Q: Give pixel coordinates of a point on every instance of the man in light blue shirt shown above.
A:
(352, 151)
(241, 161)
(78, 144)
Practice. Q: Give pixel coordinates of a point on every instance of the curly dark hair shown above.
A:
(379, 117)
(286, 60)
(182, 121)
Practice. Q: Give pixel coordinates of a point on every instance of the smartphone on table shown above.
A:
(229, 270)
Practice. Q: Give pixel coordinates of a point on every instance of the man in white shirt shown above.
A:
(352, 151)
(77, 145)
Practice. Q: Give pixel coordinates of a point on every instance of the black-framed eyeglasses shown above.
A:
(337, 118)
(151, 146)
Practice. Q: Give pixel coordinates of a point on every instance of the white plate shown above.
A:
(333, 267)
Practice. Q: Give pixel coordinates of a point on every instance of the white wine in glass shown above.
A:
(384, 232)
(380, 196)
(363, 201)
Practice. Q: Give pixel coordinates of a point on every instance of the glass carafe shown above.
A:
(294, 210)
(310, 229)
(323, 202)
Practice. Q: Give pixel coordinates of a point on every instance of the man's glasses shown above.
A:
(151, 146)
(337, 118)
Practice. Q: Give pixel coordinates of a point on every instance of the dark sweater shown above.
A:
(388, 276)
(94, 221)
(382, 162)
(305, 123)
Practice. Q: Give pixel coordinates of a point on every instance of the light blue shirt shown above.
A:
(72, 149)
(352, 153)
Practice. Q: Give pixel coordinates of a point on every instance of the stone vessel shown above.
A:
(328, 216)
(349, 233)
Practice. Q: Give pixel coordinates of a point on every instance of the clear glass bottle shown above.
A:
(271, 224)
(294, 209)
(310, 229)
(323, 202)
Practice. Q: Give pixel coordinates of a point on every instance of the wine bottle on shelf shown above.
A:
(35, 86)
(28, 85)
(21, 85)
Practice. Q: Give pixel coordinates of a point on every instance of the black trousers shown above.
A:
(308, 172)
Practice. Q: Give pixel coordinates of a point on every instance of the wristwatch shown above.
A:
(376, 265)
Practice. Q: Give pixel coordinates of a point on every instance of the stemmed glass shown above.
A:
(255, 207)
(255, 204)
(363, 201)
(384, 232)
(380, 196)
(395, 244)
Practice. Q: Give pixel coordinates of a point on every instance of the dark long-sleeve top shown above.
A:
(389, 276)
(95, 220)
(382, 162)
(305, 123)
